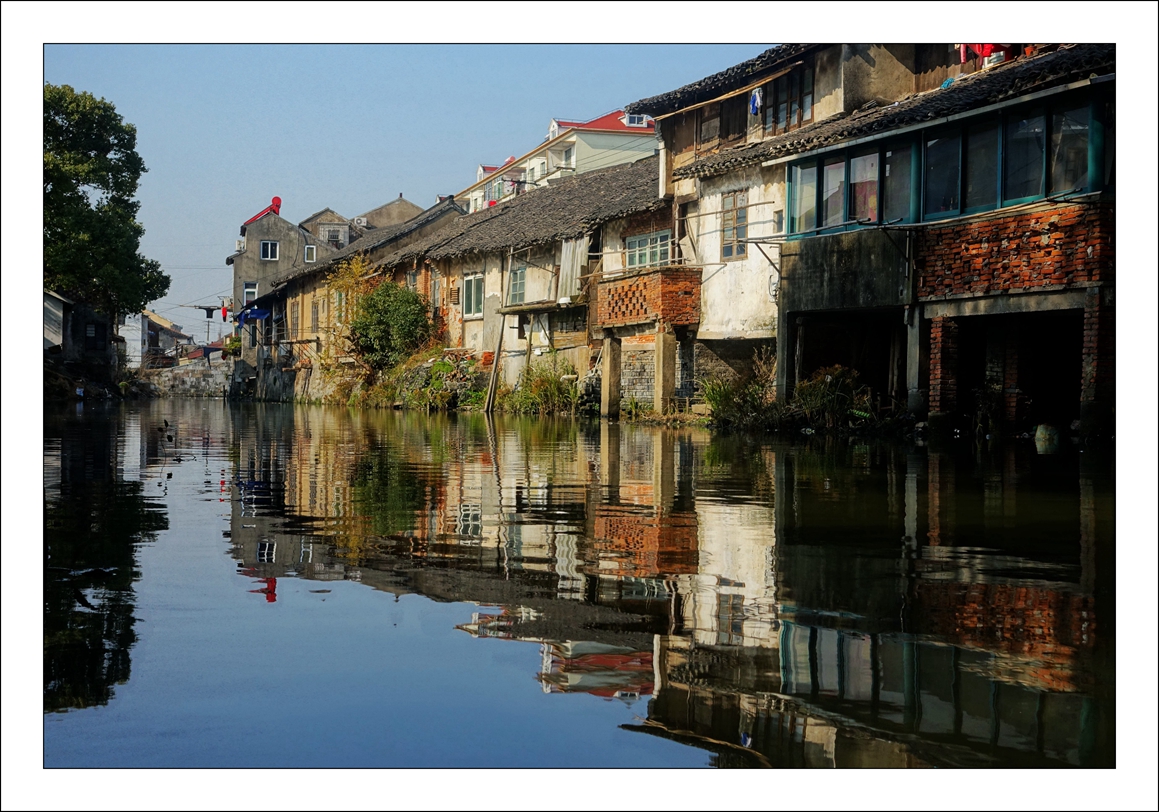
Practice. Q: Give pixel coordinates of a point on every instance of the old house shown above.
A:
(152, 341)
(937, 217)
(308, 316)
(569, 148)
(517, 280)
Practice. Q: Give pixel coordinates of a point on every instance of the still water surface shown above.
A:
(274, 585)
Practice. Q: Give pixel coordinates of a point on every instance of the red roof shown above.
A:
(609, 121)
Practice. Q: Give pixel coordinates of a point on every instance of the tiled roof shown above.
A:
(564, 209)
(1068, 64)
(608, 121)
(712, 86)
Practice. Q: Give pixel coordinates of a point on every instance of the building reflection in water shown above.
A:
(792, 605)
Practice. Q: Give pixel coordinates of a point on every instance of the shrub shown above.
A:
(391, 323)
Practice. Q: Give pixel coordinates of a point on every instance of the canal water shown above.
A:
(272, 585)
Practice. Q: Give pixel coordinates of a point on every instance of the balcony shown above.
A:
(669, 294)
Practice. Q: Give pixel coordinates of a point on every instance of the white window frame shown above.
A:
(245, 292)
(311, 253)
(569, 157)
(270, 250)
(473, 296)
(635, 120)
(517, 286)
(648, 250)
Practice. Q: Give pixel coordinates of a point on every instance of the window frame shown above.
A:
(517, 279)
(269, 250)
(310, 253)
(245, 292)
(473, 290)
(796, 91)
(739, 213)
(642, 246)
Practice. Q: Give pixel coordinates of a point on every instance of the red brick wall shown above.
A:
(671, 295)
(943, 364)
(1061, 246)
(1098, 351)
(646, 222)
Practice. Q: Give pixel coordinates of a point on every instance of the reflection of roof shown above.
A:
(1070, 63)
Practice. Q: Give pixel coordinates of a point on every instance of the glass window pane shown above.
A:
(982, 165)
(833, 198)
(807, 95)
(804, 216)
(726, 250)
(942, 172)
(1069, 130)
(863, 187)
(794, 99)
(782, 102)
(898, 177)
(1024, 153)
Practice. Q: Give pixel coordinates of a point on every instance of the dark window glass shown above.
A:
(834, 196)
(942, 170)
(982, 165)
(804, 214)
(1025, 147)
(782, 102)
(863, 172)
(807, 95)
(794, 99)
(1069, 132)
(898, 182)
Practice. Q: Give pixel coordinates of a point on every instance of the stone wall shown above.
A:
(193, 380)
(638, 369)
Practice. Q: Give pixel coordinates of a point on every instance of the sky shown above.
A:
(224, 128)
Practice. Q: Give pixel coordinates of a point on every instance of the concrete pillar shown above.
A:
(916, 355)
(665, 370)
(610, 378)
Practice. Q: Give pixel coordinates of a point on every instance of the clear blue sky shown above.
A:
(223, 128)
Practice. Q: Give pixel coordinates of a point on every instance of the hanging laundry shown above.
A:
(755, 101)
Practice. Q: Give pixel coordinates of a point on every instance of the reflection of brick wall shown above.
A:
(670, 295)
(1062, 246)
(1044, 625)
(646, 545)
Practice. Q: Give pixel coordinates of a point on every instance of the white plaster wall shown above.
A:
(134, 335)
(601, 150)
(737, 297)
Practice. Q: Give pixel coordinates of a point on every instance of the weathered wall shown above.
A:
(1059, 246)
(857, 269)
(638, 369)
(194, 380)
(736, 297)
(883, 73)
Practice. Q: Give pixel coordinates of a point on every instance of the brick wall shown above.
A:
(1061, 246)
(1098, 352)
(646, 222)
(943, 364)
(669, 295)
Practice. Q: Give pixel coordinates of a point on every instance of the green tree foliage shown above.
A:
(91, 233)
(391, 323)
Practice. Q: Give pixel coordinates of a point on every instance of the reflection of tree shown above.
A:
(90, 534)
(389, 491)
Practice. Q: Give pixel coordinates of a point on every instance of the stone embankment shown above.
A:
(194, 380)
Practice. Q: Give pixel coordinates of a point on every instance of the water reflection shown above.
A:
(821, 605)
(96, 513)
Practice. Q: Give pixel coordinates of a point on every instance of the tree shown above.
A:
(91, 233)
(390, 324)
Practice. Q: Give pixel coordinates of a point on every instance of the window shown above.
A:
(981, 175)
(972, 167)
(1069, 135)
(863, 179)
(709, 124)
(942, 170)
(636, 120)
(733, 225)
(833, 198)
(340, 305)
(473, 296)
(412, 278)
(266, 551)
(516, 289)
(293, 320)
(648, 249)
(789, 101)
(94, 336)
(314, 316)
(803, 183)
(1024, 154)
(334, 237)
(469, 522)
(734, 117)
(568, 156)
(269, 249)
(311, 253)
(251, 292)
(253, 334)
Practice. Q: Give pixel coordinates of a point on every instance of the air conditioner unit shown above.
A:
(359, 221)
(240, 245)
